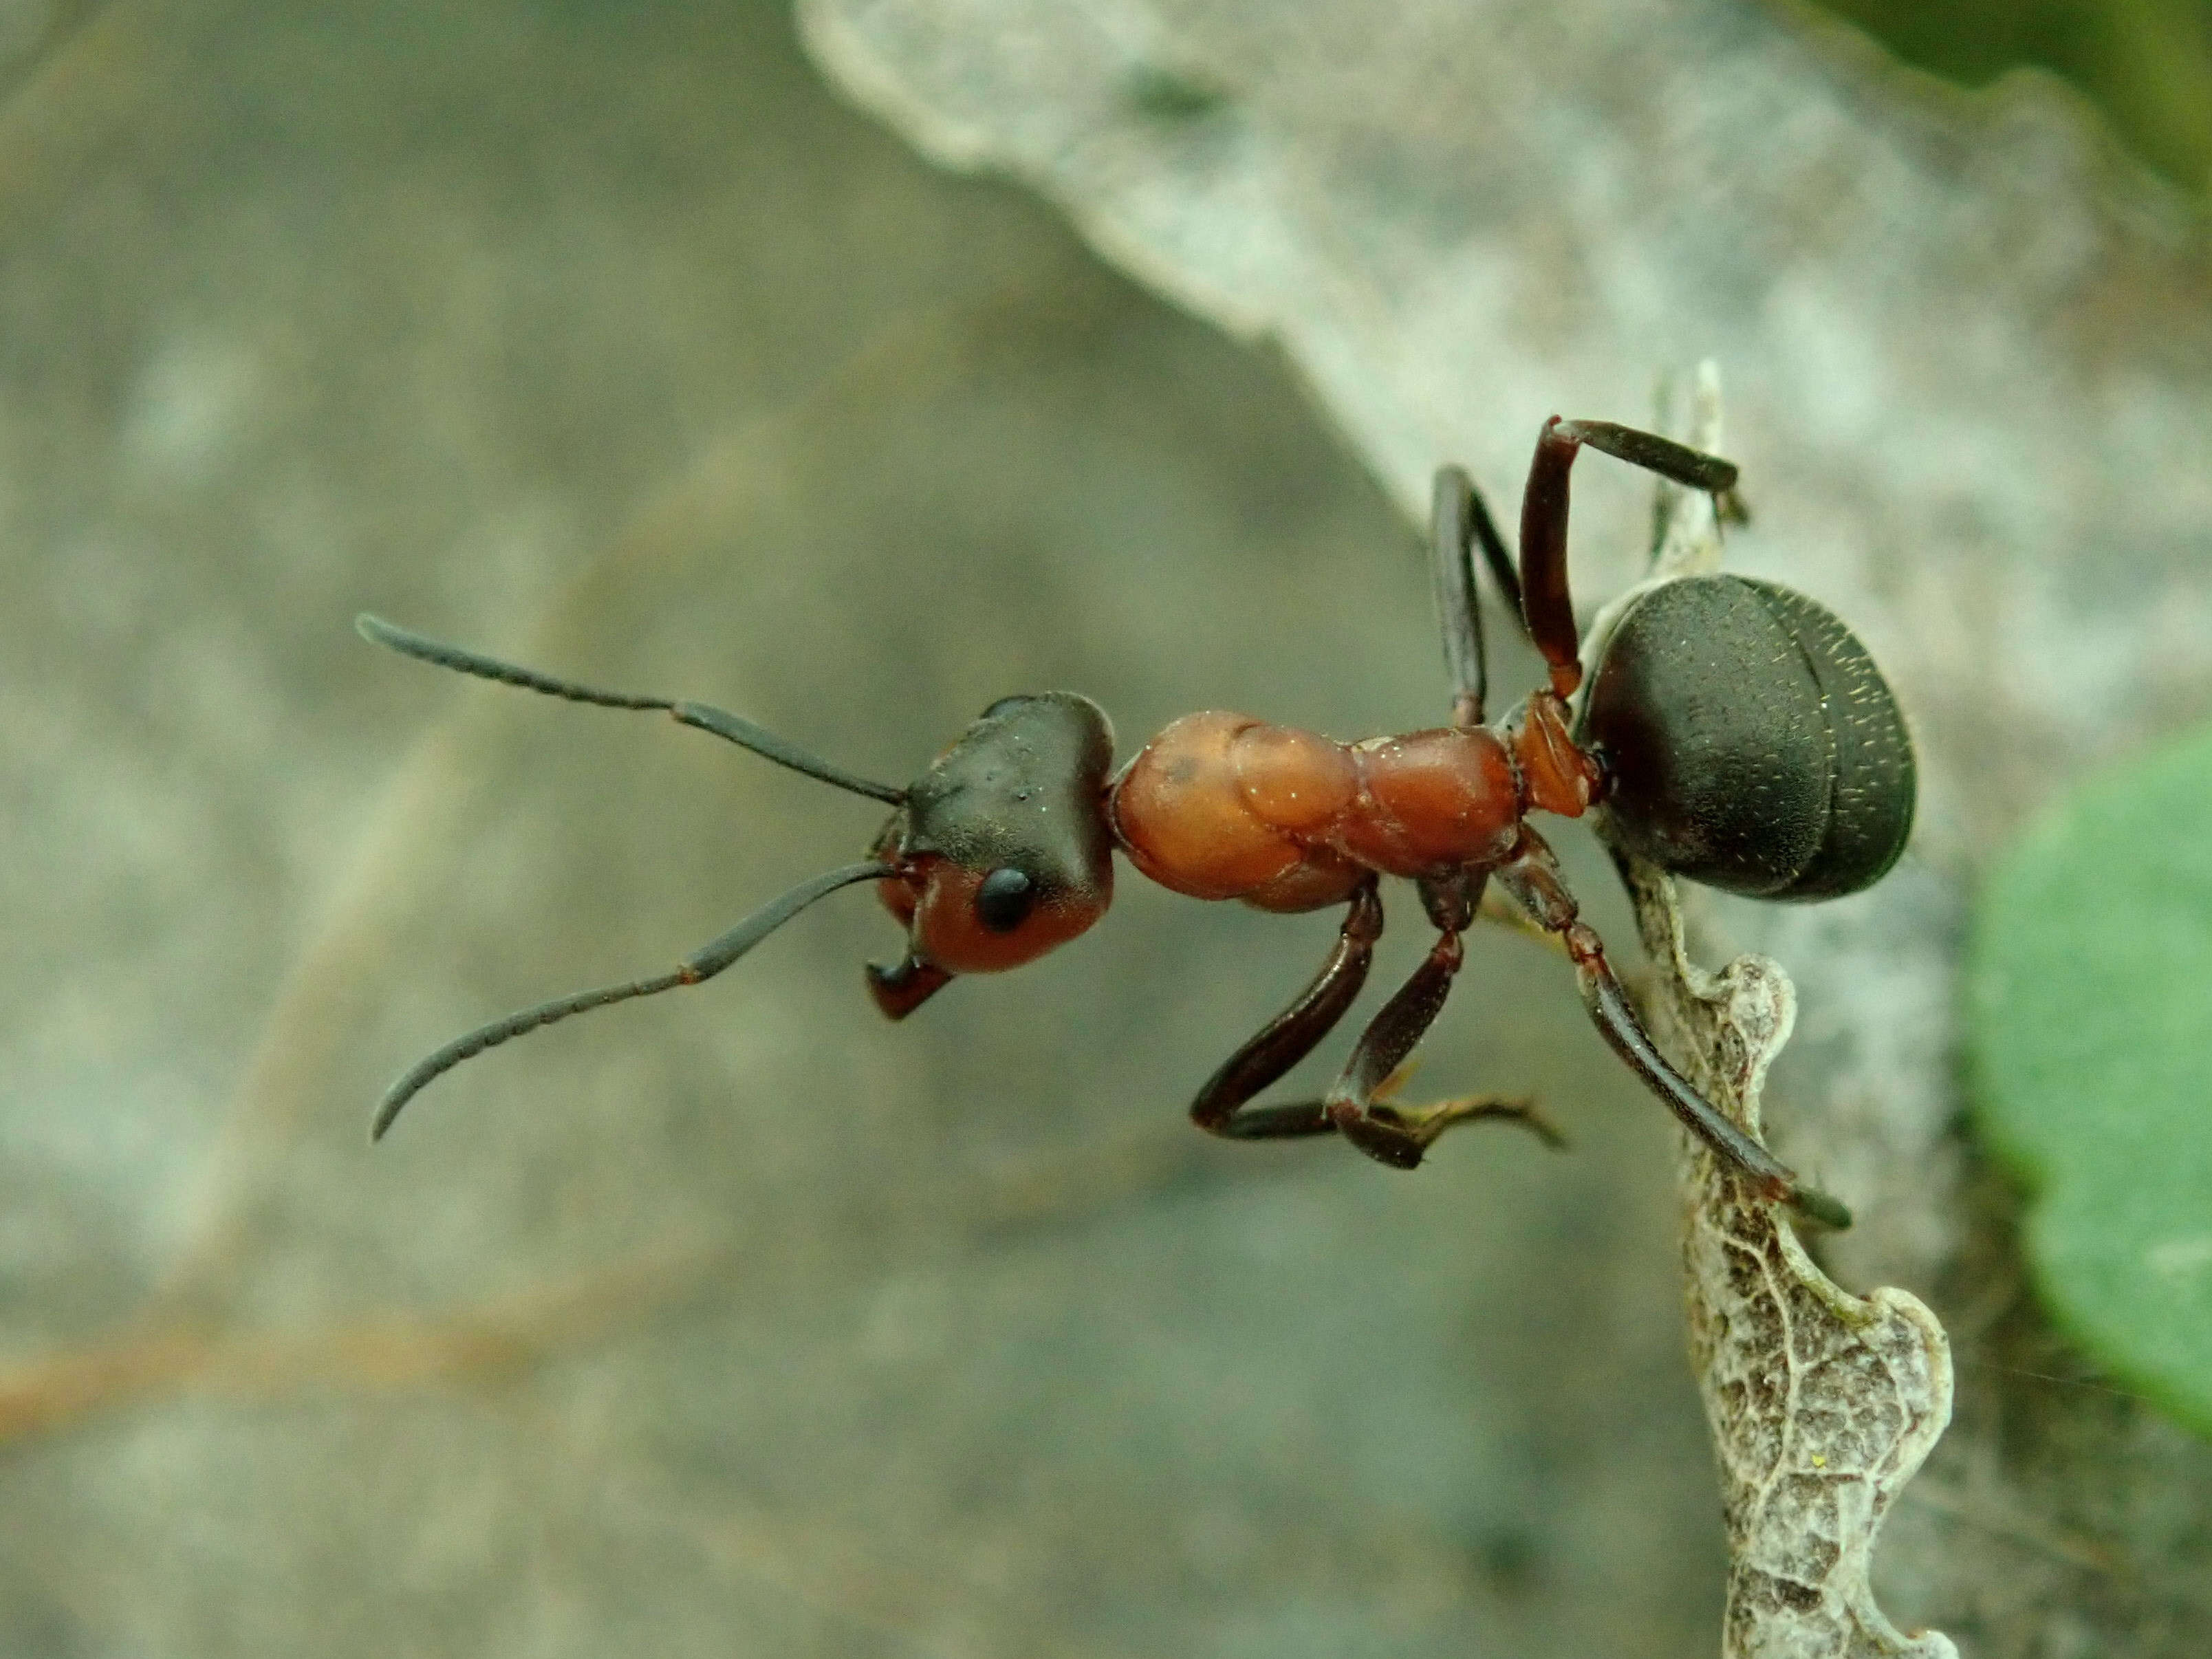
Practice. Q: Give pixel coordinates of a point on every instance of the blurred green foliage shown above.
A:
(2084, 1031)
(2088, 1043)
(2147, 64)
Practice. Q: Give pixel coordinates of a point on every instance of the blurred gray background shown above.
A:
(601, 336)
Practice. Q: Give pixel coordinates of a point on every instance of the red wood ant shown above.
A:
(1737, 733)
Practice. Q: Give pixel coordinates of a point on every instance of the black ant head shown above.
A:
(1000, 850)
(998, 853)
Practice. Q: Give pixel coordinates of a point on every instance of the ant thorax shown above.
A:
(1222, 806)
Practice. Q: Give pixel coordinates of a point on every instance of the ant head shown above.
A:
(998, 853)
(1002, 850)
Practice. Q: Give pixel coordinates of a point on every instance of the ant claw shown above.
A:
(1423, 1124)
(1811, 1204)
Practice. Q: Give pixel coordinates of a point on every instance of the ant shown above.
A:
(1736, 732)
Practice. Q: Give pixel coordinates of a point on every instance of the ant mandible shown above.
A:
(1736, 733)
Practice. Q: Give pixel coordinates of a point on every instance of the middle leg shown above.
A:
(1458, 521)
(1360, 1105)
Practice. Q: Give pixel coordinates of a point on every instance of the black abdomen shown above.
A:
(1750, 741)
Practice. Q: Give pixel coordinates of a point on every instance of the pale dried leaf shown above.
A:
(1822, 1404)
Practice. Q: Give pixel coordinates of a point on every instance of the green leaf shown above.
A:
(2090, 1035)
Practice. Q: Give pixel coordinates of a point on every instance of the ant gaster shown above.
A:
(1737, 733)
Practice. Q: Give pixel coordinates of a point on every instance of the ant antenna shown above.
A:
(734, 728)
(700, 966)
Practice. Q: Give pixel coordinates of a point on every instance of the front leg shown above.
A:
(1221, 1107)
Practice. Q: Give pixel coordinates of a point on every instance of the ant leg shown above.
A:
(1546, 605)
(1288, 1038)
(1457, 520)
(1495, 556)
(1451, 532)
(1359, 1103)
(1532, 877)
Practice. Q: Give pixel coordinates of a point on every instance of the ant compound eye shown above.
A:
(983, 919)
(1004, 899)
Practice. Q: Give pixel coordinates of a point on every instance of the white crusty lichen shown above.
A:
(1822, 1404)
